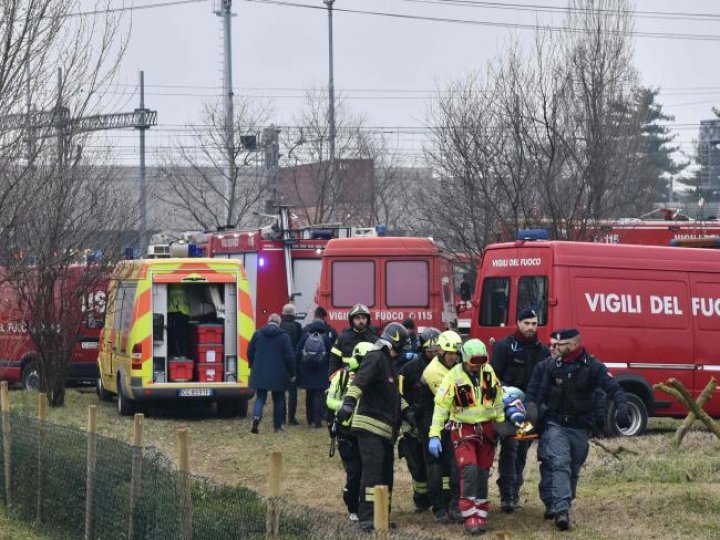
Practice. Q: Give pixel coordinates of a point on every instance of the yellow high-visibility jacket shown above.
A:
(448, 401)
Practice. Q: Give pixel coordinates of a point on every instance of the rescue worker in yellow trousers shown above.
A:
(374, 402)
(470, 395)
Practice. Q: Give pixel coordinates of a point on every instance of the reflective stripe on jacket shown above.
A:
(447, 403)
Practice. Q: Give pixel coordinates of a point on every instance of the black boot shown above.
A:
(255, 424)
(562, 520)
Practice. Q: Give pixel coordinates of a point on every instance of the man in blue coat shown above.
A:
(313, 357)
(272, 361)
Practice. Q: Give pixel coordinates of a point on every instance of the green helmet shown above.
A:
(360, 350)
(474, 352)
(449, 341)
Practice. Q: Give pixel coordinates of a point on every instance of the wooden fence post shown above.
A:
(381, 507)
(185, 487)
(136, 474)
(7, 469)
(90, 471)
(42, 415)
(272, 521)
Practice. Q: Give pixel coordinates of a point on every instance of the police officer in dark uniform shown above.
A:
(514, 359)
(359, 330)
(566, 391)
(374, 396)
(417, 394)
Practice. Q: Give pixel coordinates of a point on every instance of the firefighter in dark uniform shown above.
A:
(513, 360)
(443, 475)
(377, 409)
(359, 330)
(419, 397)
(566, 391)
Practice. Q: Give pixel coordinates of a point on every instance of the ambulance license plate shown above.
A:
(195, 392)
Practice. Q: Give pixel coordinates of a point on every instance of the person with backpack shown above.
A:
(346, 441)
(313, 356)
(294, 330)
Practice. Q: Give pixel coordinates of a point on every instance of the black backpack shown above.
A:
(313, 352)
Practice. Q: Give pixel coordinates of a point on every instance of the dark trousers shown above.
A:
(376, 455)
(278, 406)
(350, 456)
(511, 466)
(443, 476)
(292, 402)
(315, 409)
(410, 447)
(178, 333)
(566, 449)
(545, 484)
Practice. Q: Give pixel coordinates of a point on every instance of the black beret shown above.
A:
(565, 333)
(527, 313)
(409, 323)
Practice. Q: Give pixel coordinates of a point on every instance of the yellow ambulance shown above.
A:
(177, 329)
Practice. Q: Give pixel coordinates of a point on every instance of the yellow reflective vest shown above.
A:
(463, 400)
(434, 374)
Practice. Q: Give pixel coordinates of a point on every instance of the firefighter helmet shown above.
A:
(360, 350)
(449, 341)
(474, 352)
(358, 309)
(428, 338)
(396, 335)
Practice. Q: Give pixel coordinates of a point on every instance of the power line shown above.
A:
(134, 8)
(518, 26)
(544, 8)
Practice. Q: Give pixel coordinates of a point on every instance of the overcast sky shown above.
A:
(386, 67)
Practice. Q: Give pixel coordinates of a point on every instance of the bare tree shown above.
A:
(193, 181)
(321, 193)
(552, 134)
(56, 206)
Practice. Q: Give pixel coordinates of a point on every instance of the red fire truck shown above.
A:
(648, 312)
(18, 359)
(398, 278)
(659, 228)
(281, 262)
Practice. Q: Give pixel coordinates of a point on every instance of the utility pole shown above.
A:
(331, 88)
(271, 143)
(224, 10)
(142, 124)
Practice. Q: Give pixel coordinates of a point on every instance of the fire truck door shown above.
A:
(250, 262)
(307, 279)
(159, 319)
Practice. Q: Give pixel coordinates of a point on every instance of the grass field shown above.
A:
(655, 492)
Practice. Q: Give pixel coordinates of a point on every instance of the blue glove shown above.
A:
(435, 447)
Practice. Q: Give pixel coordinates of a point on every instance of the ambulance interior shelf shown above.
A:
(198, 352)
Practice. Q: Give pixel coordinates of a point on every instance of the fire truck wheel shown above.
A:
(102, 393)
(125, 406)
(638, 418)
(31, 376)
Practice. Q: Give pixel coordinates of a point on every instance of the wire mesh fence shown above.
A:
(73, 483)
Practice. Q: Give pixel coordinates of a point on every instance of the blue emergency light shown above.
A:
(194, 250)
(532, 234)
(261, 262)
